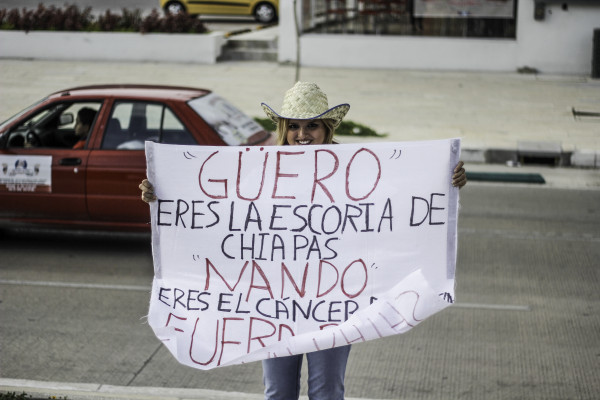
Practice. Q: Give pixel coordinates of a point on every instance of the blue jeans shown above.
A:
(326, 371)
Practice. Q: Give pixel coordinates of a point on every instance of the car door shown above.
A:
(42, 176)
(219, 7)
(118, 164)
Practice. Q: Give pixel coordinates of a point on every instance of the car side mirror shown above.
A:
(66, 119)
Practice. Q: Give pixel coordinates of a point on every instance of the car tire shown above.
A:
(174, 8)
(265, 13)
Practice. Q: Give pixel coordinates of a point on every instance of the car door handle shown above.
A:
(70, 161)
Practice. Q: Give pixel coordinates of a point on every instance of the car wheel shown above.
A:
(174, 8)
(265, 12)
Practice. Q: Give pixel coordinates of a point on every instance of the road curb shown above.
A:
(90, 391)
(94, 391)
(558, 158)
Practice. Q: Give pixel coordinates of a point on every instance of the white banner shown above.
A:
(270, 251)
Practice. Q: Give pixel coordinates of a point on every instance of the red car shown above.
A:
(47, 177)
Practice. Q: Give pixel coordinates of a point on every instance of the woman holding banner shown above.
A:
(306, 119)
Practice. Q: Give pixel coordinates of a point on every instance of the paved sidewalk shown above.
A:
(497, 115)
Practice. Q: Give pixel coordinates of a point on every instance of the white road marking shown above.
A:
(500, 307)
(74, 285)
(532, 235)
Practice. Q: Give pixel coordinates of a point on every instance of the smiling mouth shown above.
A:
(304, 142)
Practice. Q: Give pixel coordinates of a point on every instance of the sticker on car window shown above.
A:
(231, 124)
(26, 173)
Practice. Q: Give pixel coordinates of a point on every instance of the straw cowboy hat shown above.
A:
(307, 101)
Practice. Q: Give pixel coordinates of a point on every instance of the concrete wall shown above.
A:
(410, 53)
(112, 46)
(561, 43)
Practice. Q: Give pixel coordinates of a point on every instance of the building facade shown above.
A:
(479, 35)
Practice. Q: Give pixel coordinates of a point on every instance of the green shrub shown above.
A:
(350, 128)
(72, 18)
(172, 23)
(14, 396)
(25, 396)
(266, 123)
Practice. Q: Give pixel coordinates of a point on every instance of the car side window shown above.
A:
(173, 131)
(56, 126)
(131, 123)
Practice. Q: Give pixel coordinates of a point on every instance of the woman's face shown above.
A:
(303, 132)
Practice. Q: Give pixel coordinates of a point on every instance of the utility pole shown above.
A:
(297, 43)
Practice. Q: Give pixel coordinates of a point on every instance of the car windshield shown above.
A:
(234, 127)
(14, 117)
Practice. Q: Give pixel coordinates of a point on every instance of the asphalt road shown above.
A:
(525, 326)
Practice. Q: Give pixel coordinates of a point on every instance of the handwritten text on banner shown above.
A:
(269, 251)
